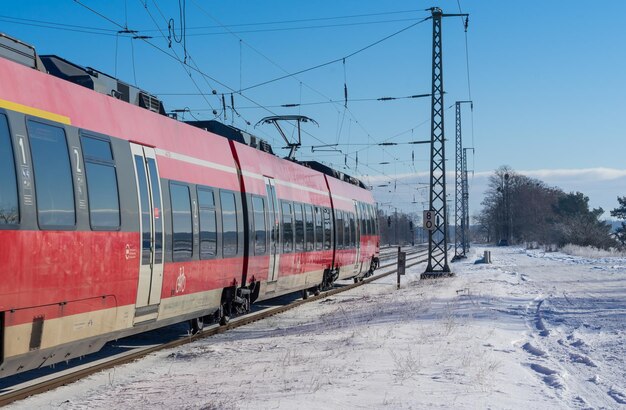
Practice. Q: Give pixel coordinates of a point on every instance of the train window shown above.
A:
(374, 220)
(104, 205)
(309, 228)
(155, 187)
(319, 230)
(182, 234)
(96, 148)
(363, 213)
(328, 229)
(9, 209)
(368, 220)
(230, 238)
(53, 176)
(146, 234)
(340, 230)
(208, 223)
(347, 242)
(362, 220)
(287, 227)
(353, 230)
(299, 227)
(260, 230)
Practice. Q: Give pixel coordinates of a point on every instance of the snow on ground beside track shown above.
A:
(532, 330)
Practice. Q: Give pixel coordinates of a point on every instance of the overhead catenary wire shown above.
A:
(171, 28)
(469, 89)
(195, 67)
(305, 20)
(362, 49)
(184, 66)
(36, 23)
(301, 104)
(300, 28)
(98, 31)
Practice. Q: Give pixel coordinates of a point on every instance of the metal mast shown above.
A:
(437, 238)
(466, 225)
(459, 218)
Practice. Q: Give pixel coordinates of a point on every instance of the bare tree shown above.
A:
(522, 209)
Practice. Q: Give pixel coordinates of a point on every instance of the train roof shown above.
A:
(233, 133)
(25, 54)
(19, 52)
(101, 82)
(243, 137)
(325, 169)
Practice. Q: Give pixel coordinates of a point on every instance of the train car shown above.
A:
(116, 219)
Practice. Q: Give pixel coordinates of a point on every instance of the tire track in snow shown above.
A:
(578, 377)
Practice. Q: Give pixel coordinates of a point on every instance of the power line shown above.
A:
(294, 105)
(60, 27)
(337, 59)
(469, 86)
(54, 23)
(175, 57)
(183, 65)
(302, 20)
(100, 14)
(321, 26)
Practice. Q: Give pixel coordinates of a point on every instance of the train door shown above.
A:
(273, 219)
(151, 228)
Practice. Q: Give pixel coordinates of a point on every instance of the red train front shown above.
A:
(115, 219)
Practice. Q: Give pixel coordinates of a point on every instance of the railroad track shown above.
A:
(394, 255)
(53, 381)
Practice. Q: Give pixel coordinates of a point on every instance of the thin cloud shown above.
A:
(598, 174)
(602, 174)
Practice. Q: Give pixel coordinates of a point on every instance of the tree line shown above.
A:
(519, 209)
(399, 228)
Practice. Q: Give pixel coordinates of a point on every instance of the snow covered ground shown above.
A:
(532, 330)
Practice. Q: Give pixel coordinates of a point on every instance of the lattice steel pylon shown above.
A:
(459, 199)
(466, 224)
(438, 237)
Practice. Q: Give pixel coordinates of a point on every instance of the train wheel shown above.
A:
(224, 318)
(196, 325)
(305, 294)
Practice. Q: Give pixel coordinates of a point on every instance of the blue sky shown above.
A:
(547, 79)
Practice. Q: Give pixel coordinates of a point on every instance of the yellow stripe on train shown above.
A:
(36, 112)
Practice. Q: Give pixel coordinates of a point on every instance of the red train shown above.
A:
(116, 219)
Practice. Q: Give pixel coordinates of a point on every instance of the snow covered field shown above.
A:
(532, 330)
